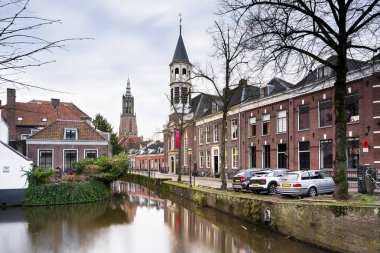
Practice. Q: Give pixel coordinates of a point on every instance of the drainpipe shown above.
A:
(11, 114)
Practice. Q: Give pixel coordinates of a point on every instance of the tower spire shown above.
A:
(128, 93)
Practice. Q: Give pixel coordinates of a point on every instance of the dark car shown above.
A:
(241, 180)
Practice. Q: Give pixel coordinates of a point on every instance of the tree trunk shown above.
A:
(340, 162)
(223, 152)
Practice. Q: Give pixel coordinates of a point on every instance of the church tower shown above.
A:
(128, 125)
(180, 83)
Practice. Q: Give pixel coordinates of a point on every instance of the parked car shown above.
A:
(309, 183)
(241, 179)
(266, 180)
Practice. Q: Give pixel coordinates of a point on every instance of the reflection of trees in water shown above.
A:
(219, 232)
(75, 224)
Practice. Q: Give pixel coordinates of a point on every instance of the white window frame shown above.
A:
(208, 134)
(234, 158)
(200, 136)
(63, 156)
(251, 123)
(45, 149)
(281, 122)
(208, 159)
(86, 150)
(201, 158)
(215, 133)
(24, 136)
(234, 129)
(70, 129)
(319, 112)
(265, 119)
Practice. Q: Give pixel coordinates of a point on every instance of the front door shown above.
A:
(172, 164)
(216, 160)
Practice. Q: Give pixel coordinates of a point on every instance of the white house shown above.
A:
(13, 182)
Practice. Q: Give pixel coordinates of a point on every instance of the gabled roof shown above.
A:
(279, 85)
(41, 114)
(180, 54)
(72, 106)
(55, 131)
(15, 151)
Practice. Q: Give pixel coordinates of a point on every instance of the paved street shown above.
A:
(215, 182)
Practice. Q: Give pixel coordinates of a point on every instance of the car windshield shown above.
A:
(290, 176)
(240, 174)
(261, 174)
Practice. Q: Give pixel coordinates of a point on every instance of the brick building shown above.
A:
(281, 125)
(66, 141)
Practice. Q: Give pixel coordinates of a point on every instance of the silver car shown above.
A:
(309, 183)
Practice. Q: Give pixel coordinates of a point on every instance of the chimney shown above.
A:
(243, 82)
(11, 114)
(55, 103)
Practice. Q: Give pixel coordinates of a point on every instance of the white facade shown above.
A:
(12, 170)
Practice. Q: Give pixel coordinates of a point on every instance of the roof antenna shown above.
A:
(180, 23)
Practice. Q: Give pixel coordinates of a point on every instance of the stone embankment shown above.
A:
(336, 226)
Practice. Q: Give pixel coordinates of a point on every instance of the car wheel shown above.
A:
(272, 189)
(312, 192)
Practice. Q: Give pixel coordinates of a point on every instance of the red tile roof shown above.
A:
(42, 113)
(55, 131)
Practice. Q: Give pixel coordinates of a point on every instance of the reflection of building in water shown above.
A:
(193, 228)
(138, 194)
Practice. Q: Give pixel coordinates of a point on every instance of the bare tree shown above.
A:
(299, 32)
(179, 123)
(20, 47)
(229, 43)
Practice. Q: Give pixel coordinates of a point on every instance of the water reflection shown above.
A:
(134, 220)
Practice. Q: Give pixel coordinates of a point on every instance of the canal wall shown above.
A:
(335, 226)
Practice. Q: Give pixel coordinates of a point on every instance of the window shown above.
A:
(184, 93)
(45, 158)
(281, 122)
(91, 154)
(266, 124)
(266, 156)
(70, 156)
(215, 107)
(19, 118)
(325, 154)
(303, 117)
(253, 157)
(325, 113)
(71, 134)
(176, 95)
(252, 126)
(172, 139)
(24, 136)
(200, 136)
(281, 156)
(215, 133)
(235, 156)
(323, 72)
(208, 159)
(44, 119)
(201, 157)
(304, 155)
(208, 134)
(171, 96)
(352, 107)
(352, 153)
(234, 129)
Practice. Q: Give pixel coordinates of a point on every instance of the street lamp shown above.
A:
(189, 152)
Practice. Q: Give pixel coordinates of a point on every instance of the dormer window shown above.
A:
(323, 72)
(215, 107)
(19, 118)
(44, 119)
(71, 134)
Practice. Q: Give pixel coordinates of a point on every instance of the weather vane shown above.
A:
(180, 22)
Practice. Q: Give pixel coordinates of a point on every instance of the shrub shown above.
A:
(79, 166)
(39, 175)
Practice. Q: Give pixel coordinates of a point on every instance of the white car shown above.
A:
(305, 183)
(266, 181)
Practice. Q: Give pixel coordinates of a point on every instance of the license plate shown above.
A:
(237, 186)
(236, 180)
(286, 185)
(255, 184)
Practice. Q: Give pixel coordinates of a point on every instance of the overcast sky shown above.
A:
(132, 38)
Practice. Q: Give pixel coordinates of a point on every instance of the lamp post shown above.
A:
(189, 152)
(148, 164)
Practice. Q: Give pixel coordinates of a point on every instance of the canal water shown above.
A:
(137, 220)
